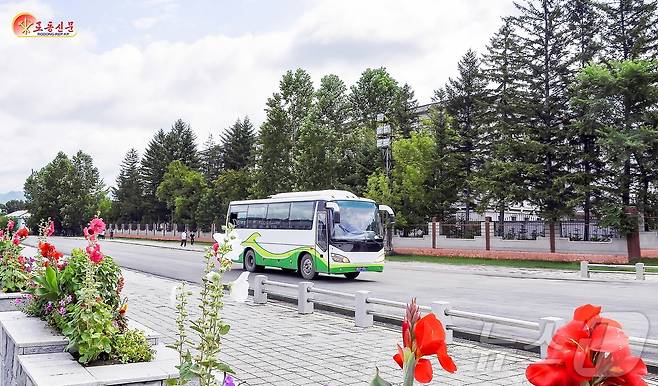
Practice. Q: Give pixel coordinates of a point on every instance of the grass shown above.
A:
(458, 260)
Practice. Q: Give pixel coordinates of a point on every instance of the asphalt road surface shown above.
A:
(634, 303)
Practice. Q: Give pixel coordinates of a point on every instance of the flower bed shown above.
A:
(72, 310)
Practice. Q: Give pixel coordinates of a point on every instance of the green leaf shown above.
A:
(378, 381)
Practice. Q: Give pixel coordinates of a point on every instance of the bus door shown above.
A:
(322, 238)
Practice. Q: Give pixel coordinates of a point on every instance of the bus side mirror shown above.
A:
(335, 209)
(389, 211)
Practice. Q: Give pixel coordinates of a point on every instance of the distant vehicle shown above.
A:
(328, 231)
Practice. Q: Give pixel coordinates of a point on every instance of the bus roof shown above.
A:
(327, 195)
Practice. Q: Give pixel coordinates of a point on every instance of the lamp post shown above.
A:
(384, 142)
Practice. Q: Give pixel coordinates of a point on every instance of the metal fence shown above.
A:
(519, 230)
(575, 231)
(414, 230)
(465, 230)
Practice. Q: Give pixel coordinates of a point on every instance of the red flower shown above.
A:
(588, 348)
(215, 247)
(123, 309)
(423, 336)
(22, 233)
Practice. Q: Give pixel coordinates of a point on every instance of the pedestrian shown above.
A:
(192, 238)
(183, 239)
(111, 233)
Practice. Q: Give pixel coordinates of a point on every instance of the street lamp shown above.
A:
(384, 142)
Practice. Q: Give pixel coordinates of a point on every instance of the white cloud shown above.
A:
(63, 94)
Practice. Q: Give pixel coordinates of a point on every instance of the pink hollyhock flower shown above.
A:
(94, 253)
(10, 225)
(51, 229)
(89, 234)
(215, 247)
(96, 225)
(16, 240)
(2, 234)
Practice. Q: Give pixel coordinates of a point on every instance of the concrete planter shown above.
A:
(22, 335)
(59, 369)
(8, 301)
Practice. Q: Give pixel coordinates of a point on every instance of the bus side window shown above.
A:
(301, 215)
(322, 230)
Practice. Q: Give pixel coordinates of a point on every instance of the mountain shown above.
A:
(13, 195)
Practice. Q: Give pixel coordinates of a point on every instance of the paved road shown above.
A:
(527, 297)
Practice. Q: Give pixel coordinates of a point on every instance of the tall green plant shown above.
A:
(209, 326)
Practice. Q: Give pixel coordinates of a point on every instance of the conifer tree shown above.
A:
(631, 29)
(274, 151)
(237, 144)
(584, 23)
(465, 100)
(543, 32)
(211, 159)
(501, 182)
(128, 203)
(285, 112)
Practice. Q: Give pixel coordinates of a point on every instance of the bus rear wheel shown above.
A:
(250, 261)
(352, 275)
(307, 268)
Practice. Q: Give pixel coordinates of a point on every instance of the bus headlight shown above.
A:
(339, 258)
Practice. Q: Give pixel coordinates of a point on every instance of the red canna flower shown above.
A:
(589, 350)
(123, 309)
(422, 337)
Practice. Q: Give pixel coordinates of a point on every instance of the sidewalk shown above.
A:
(273, 345)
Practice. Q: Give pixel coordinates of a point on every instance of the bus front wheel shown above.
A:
(352, 275)
(250, 261)
(307, 268)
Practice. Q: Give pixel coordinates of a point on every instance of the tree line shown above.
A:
(559, 110)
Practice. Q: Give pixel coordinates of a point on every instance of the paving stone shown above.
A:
(273, 345)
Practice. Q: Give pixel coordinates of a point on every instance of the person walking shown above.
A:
(192, 238)
(183, 239)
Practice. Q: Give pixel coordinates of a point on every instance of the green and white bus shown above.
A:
(328, 231)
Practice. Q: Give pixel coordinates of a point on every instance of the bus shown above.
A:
(329, 231)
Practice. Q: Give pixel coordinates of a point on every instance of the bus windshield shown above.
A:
(359, 221)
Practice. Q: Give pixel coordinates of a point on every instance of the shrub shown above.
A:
(108, 274)
(131, 346)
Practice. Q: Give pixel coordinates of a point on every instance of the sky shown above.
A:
(136, 67)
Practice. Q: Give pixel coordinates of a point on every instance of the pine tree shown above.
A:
(316, 163)
(211, 159)
(403, 116)
(286, 110)
(180, 144)
(631, 30)
(274, 151)
(128, 203)
(154, 165)
(464, 99)
(501, 182)
(585, 23)
(237, 144)
(544, 38)
(446, 177)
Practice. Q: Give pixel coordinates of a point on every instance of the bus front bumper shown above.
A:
(347, 268)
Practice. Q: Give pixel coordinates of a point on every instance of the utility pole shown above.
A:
(384, 142)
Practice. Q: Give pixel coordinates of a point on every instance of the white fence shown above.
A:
(639, 269)
(543, 328)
